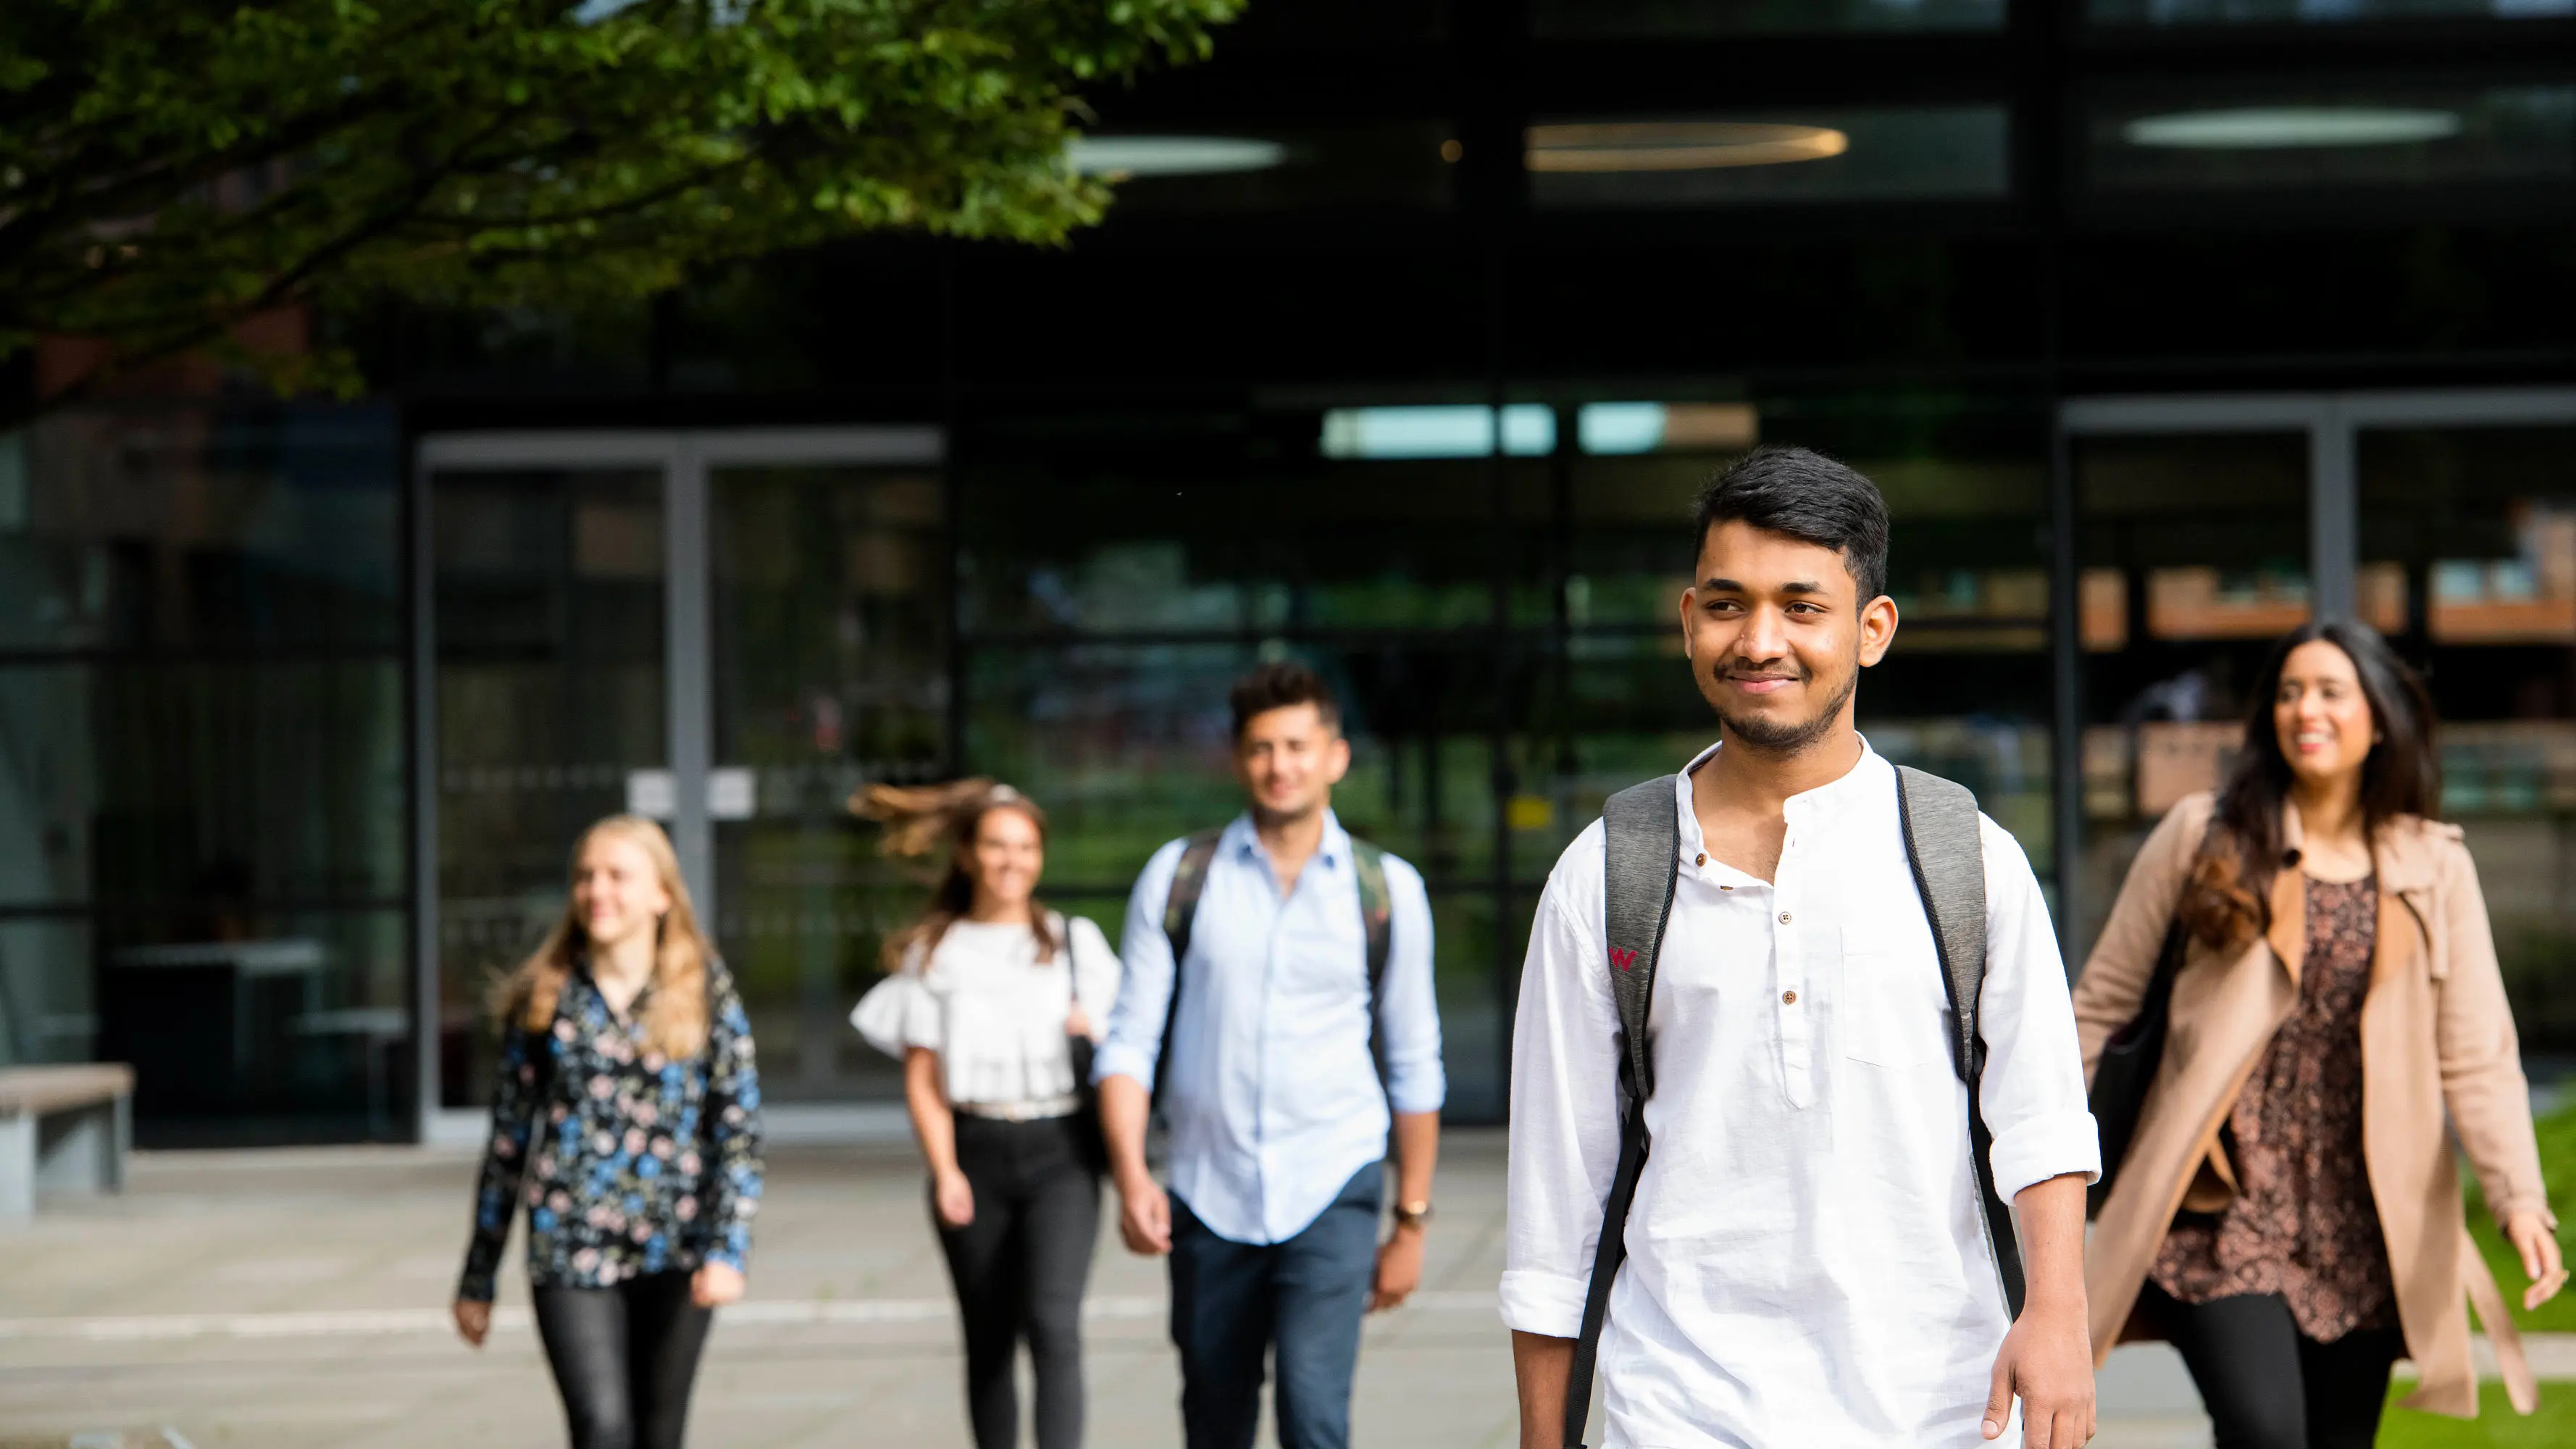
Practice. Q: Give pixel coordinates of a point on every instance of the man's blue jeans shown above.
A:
(1232, 1303)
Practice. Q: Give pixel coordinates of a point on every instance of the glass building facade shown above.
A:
(2162, 326)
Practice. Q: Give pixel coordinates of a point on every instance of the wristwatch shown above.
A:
(1412, 1214)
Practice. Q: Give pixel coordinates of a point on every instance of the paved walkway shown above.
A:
(279, 1300)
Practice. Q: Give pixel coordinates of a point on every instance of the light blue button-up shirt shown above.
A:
(1273, 1101)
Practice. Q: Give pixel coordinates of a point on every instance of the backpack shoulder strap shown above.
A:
(1945, 845)
(1377, 927)
(1640, 862)
(1641, 858)
(1180, 913)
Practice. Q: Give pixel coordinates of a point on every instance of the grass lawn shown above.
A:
(2558, 1167)
(2496, 1425)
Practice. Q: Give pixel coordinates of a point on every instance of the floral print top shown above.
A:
(641, 1165)
(2303, 1223)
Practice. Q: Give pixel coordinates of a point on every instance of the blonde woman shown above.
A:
(626, 1115)
(992, 1005)
(2288, 1212)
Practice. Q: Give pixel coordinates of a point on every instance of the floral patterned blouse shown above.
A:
(2303, 1223)
(643, 1165)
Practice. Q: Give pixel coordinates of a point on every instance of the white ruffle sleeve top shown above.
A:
(992, 1010)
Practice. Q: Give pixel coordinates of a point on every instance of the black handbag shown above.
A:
(1087, 1136)
(2128, 1067)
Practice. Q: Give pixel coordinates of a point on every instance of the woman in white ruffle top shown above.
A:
(992, 1003)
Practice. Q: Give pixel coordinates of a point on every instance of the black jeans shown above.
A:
(624, 1359)
(2269, 1386)
(1297, 1302)
(1020, 1268)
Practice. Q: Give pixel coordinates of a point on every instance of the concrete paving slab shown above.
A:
(298, 1300)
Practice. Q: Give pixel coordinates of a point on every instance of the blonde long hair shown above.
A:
(675, 1001)
(918, 819)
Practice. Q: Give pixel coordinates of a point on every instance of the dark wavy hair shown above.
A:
(2228, 899)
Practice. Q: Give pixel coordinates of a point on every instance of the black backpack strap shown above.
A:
(1945, 846)
(1641, 860)
(1180, 912)
(1377, 927)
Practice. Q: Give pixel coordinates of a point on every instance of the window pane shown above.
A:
(259, 1025)
(1654, 18)
(1805, 155)
(2313, 12)
(1233, 525)
(830, 660)
(2472, 533)
(1270, 168)
(200, 527)
(549, 701)
(2193, 551)
(2166, 137)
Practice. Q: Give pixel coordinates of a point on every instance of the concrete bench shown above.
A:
(63, 1128)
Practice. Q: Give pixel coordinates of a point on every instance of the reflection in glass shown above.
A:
(2479, 524)
(1245, 532)
(2162, 137)
(1658, 18)
(2313, 12)
(1812, 155)
(195, 526)
(830, 664)
(549, 700)
(2193, 560)
(1389, 164)
(201, 766)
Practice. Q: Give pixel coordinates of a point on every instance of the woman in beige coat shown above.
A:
(2288, 1211)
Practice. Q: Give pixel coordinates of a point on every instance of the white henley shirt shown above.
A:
(1807, 1261)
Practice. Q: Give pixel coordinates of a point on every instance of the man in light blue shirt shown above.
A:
(1283, 1066)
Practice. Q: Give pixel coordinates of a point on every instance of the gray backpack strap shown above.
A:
(1641, 859)
(1377, 931)
(1946, 848)
(1180, 914)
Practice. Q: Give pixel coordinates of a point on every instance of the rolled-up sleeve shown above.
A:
(1135, 1041)
(1408, 1006)
(2033, 1087)
(1564, 1144)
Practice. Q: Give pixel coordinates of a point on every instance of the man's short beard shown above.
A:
(1773, 737)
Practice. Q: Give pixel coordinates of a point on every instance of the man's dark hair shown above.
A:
(1278, 685)
(1807, 496)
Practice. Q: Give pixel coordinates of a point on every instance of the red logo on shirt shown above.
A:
(1622, 959)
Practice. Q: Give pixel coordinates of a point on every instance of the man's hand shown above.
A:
(2047, 1361)
(473, 1321)
(1399, 1267)
(1144, 1215)
(2542, 1263)
(2047, 1358)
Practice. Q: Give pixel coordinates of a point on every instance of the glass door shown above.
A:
(546, 699)
(2194, 538)
(728, 632)
(2472, 524)
(828, 670)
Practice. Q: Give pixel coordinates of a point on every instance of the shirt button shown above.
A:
(1784, 918)
(1788, 998)
(1702, 860)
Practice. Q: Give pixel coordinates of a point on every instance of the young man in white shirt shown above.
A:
(1808, 1260)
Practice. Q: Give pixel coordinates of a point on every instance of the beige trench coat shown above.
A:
(2435, 1034)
